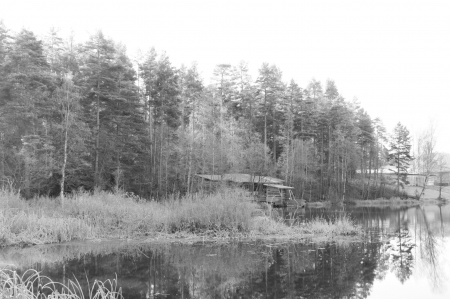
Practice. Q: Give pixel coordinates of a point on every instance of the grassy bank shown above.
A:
(108, 215)
(224, 214)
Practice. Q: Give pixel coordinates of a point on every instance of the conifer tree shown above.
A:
(399, 153)
(269, 92)
(26, 85)
(96, 80)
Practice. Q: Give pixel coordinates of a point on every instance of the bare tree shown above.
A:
(429, 155)
(441, 166)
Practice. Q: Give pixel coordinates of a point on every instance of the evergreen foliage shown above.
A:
(85, 115)
(399, 152)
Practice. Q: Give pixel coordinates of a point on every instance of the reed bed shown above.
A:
(341, 225)
(335, 226)
(111, 215)
(32, 285)
(224, 214)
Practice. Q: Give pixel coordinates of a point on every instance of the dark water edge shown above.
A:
(405, 250)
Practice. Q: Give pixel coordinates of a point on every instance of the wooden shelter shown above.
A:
(261, 188)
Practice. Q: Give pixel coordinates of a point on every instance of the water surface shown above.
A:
(406, 253)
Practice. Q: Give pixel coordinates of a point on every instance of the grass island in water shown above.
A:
(103, 215)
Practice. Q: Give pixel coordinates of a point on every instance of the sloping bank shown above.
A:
(224, 215)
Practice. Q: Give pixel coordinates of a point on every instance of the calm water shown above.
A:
(406, 253)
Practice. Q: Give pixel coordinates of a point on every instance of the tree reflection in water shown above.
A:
(398, 251)
(230, 271)
(396, 241)
(429, 250)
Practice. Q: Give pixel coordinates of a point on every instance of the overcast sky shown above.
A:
(394, 56)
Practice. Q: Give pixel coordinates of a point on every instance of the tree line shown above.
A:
(85, 115)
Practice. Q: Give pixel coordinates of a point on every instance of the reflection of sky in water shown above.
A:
(429, 230)
(407, 254)
(425, 281)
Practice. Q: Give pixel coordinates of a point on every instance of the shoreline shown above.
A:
(264, 229)
(190, 239)
(380, 202)
(224, 217)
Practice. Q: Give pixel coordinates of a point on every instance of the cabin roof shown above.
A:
(278, 186)
(241, 178)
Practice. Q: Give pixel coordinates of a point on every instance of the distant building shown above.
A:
(442, 177)
(413, 179)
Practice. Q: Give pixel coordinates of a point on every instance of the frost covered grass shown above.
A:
(32, 285)
(113, 215)
(338, 226)
(225, 214)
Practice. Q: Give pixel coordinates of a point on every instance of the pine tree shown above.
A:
(165, 105)
(192, 93)
(399, 153)
(243, 102)
(270, 91)
(26, 85)
(96, 80)
(112, 105)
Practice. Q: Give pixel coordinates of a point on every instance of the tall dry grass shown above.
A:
(32, 285)
(341, 225)
(114, 215)
(103, 214)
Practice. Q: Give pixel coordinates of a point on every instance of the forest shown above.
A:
(86, 115)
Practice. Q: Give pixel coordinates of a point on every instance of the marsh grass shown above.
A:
(225, 214)
(114, 215)
(32, 285)
(341, 225)
(36, 221)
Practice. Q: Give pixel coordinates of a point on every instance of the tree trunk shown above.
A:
(190, 154)
(2, 162)
(118, 159)
(265, 132)
(97, 138)
(160, 159)
(321, 168)
(63, 168)
(167, 156)
(398, 176)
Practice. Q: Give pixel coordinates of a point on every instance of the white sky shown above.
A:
(394, 56)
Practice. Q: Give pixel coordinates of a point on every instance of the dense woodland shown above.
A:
(87, 116)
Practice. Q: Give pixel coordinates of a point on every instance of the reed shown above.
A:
(341, 225)
(223, 211)
(32, 285)
(226, 213)
(335, 226)
(111, 215)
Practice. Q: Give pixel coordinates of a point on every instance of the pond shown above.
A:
(406, 253)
